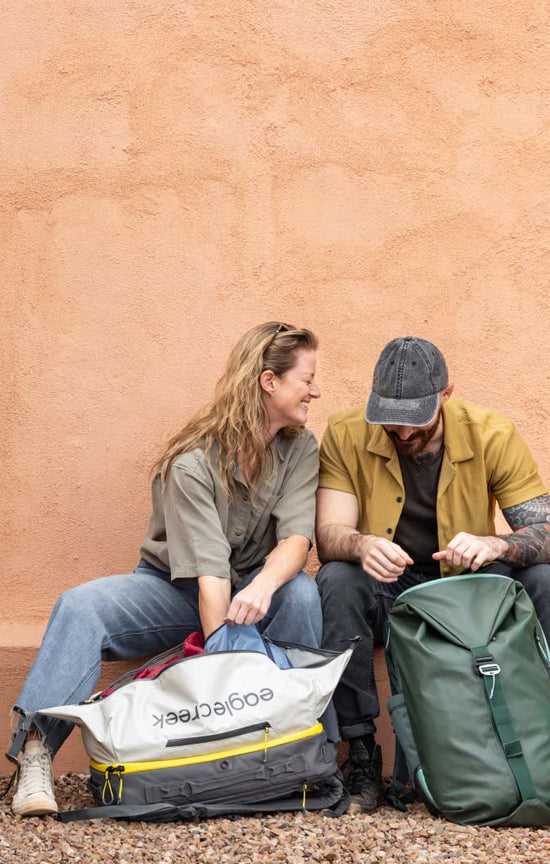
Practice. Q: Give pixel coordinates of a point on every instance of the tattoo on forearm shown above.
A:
(530, 542)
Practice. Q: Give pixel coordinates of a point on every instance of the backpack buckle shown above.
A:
(491, 669)
(486, 666)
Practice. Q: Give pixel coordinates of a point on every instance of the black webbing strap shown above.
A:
(486, 666)
(126, 811)
(11, 783)
(25, 724)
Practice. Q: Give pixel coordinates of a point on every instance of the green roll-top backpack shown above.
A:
(470, 672)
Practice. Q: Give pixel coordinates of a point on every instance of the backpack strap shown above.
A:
(486, 666)
(396, 795)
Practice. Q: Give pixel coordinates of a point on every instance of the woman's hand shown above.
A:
(251, 604)
(283, 563)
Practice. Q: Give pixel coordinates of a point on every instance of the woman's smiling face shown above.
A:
(287, 398)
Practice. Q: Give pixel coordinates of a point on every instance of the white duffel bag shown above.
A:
(216, 733)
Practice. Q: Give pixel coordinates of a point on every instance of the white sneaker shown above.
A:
(34, 794)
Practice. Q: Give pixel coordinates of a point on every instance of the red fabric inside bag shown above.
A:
(194, 644)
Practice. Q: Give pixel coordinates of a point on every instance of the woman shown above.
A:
(232, 520)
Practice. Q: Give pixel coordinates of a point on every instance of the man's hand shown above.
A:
(382, 559)
(251, 604)
(471, 552)
(339, 540)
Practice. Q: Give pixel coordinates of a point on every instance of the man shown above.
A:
(406, 495)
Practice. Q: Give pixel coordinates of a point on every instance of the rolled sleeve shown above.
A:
(514, 476)
(294, 512)
(333, 473)
(197, 545)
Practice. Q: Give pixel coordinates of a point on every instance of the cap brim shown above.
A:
(402, 412)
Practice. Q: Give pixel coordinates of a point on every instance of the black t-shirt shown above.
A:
(416, 531)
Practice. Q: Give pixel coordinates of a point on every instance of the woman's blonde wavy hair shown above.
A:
(235, 421)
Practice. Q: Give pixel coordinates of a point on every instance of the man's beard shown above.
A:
(418, 441)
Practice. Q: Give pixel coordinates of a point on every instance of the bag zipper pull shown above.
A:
(108, 788)
(266, 733)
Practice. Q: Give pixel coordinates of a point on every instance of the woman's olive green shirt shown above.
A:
(196, 530)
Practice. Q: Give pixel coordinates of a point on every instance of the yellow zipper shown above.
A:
(130, 767)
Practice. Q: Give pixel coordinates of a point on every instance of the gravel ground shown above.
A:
(388, 836)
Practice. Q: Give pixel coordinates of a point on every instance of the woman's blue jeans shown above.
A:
(130, 616)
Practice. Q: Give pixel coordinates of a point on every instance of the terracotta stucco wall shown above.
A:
(172, 173)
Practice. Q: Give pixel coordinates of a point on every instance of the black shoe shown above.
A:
(363, 777)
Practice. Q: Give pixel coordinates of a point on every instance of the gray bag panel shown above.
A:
(332, 799)
(301, 775)
(246, 778)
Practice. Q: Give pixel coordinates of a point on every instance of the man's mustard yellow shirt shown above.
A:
(485, 462)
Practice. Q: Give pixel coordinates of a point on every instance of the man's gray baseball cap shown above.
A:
(408, 377)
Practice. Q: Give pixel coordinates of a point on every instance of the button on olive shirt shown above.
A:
(485, 462)
(195, 530)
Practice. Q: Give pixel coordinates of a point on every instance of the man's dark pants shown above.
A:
(355, 606)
